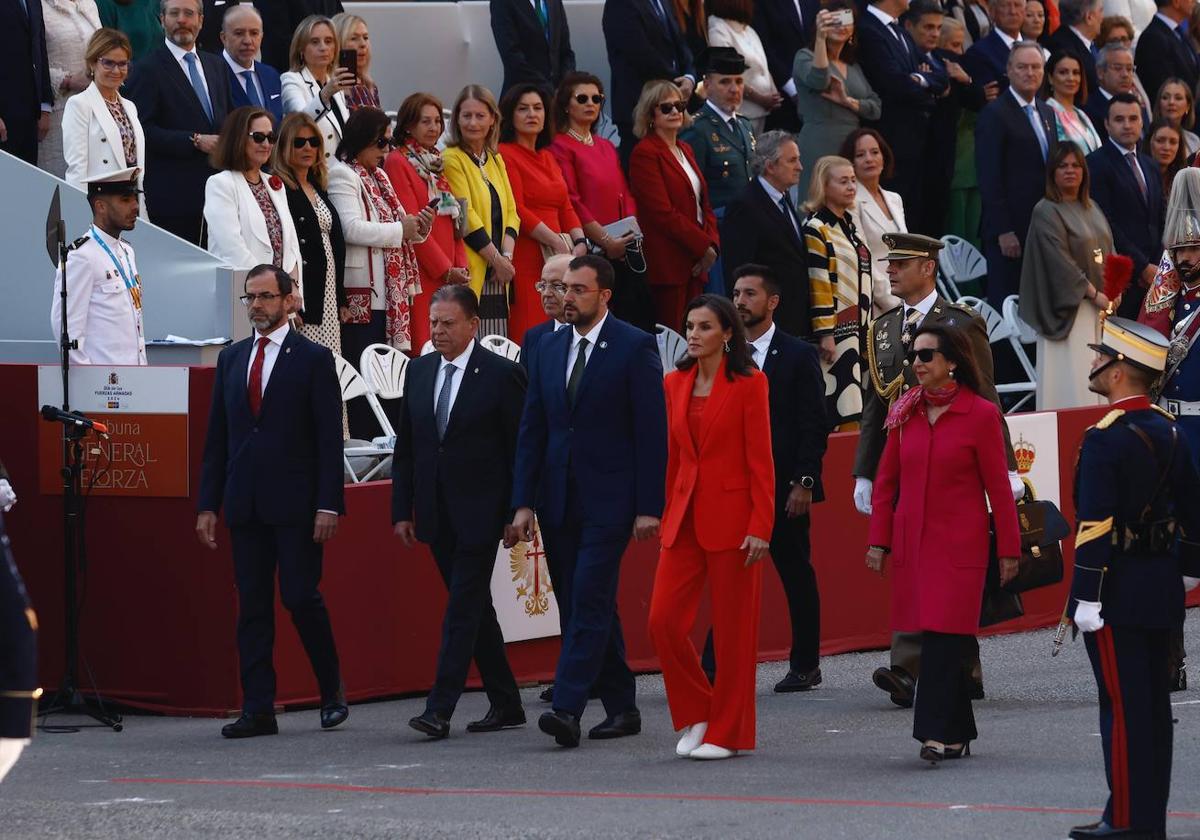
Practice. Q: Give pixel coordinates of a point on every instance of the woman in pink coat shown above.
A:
(944, 446)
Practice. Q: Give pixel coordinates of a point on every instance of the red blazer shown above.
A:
(730, 477)
(442, 250)
(939, 553)
(675, 241)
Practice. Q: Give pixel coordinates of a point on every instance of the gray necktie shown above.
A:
(577, 372)
(198, 85)
(442, 414)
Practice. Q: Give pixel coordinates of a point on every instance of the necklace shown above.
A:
(585, 139)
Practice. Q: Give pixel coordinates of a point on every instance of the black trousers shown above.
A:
(942, 709)
(1130, 666)
(469, 628)
(257, 551)
(791, 552)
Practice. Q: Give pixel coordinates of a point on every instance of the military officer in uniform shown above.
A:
(18, 655)
(104, 290)
(1137, 548)
(912, 272)
(721, 139)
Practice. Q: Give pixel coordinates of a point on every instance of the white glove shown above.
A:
(1190, 583)
(862, 495)
(1016, 485)
(1087, 616)
(8, 496)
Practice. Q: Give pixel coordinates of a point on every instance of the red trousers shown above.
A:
(736, 591)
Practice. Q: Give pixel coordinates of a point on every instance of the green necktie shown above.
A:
(577, 372)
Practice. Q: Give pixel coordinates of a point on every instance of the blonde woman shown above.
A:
(315, 84)
(477, 173)
(839, 278)
(352, 34)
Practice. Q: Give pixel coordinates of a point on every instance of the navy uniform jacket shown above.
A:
(470, 468)
(722, 154)
(613, 443)
(1184, 385)
(799, 427)
(1116, 476)
(284, 466)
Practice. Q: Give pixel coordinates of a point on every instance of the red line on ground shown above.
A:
(627, 795)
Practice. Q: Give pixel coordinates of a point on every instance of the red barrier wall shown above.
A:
(159, 609)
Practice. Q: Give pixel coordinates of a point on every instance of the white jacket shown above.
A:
(301, 92)
(92, 142)
(872, 224)
(237, 229)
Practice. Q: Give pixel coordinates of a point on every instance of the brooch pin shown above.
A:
(289, 350)
(476, 370)
(603, 345)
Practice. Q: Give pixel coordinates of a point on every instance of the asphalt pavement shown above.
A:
(837, 762)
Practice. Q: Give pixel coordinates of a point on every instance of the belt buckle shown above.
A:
(1173, 407)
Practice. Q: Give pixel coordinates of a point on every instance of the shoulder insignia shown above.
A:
(963, 307)
(1110, 418)
(1163, 412)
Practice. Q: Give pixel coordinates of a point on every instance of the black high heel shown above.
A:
(936, 755)
(964, 750)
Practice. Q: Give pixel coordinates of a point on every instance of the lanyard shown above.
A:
(132, 282)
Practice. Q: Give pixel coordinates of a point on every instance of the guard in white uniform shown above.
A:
(104, 290)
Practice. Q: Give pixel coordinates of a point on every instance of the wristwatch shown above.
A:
(806, 481)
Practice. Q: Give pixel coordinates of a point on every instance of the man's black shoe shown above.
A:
(896, 683)
(1104, 830)
(564, 726)
(795, 681)
(250, 726)
(618, 726)
(497, 719)
(431, 723)
(547, 695)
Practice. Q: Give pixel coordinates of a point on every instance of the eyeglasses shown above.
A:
(665, 108)
(110, 65)
(579, 291)
(595, 98)
(260, 138)
(925, 354)
(265, 297)
(384, 143)
(559, 288)
(301, 142)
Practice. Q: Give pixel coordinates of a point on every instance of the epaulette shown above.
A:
(963, 306)
(1110, 418)
(1163, 412)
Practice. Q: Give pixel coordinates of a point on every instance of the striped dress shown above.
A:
(839, 280)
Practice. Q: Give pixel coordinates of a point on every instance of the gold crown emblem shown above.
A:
(1025, 453)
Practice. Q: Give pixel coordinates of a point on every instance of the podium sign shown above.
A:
(146, 411)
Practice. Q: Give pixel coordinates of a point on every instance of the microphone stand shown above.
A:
(69, 699)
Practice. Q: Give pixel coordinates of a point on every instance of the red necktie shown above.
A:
(254, 388)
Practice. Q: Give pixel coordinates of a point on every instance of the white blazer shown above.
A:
(872, 224)
(237, 229)
(365, 236)
(301, 92)
(92, 142)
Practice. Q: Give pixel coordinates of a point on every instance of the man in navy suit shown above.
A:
(273, 458)
(551, 288)
(986, 62)
(26, 96)
(182, 97)
(784, 27)
(592, 458)
(761, 226)
(451, 483)
(1163, 49)
(644, 43)
(1013, 140)
(1133, 204)
(280, 19)
(1076, 34)
(908, 88)
(1115, 74)
(534, 41)
(250, 82)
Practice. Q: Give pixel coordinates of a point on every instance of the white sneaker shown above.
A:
(693, 736)
(711, 752)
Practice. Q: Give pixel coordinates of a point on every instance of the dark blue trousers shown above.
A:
(257, 551)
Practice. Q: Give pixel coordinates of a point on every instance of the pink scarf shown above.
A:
(401, 275)
(903, 408)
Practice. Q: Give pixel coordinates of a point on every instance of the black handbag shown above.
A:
(998, 605)
(1043, 528)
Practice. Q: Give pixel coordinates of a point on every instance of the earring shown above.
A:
(726, 346)
(951, 373)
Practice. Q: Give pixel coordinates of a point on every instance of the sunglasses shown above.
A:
(260, 138)
(665, 108)
(595, 98)
(383, 143)
(925, 354)
(301, 142)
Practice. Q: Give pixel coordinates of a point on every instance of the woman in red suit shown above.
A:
(415, 170)
(547, 218)
(672, 203)
(944, 445)
(717, 525)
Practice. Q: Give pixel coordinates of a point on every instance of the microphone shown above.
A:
(70, 418)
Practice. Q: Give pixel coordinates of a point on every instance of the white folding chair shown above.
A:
(384, 368)
(671, 347)
(958, 262)
(502, 346)
(999, 329)
(427, 348)
(379, 451)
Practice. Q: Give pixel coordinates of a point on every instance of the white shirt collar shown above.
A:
(884, 17)
(924, 304)
(1121, 148)
(593, 335)
(720, 113)
(763, 343)
(1023, 102)
(1172, 25)
(1008, 42)
(1081, 37)
(558, 325)
(770, 188)
(233, 65)
(459, 361)
(277, 335)
(179, 52)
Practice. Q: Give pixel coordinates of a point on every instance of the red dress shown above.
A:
(595, 180)
(437, 254)
(929, 509)
(541, 195)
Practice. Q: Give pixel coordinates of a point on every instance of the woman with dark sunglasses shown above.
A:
(944, 443)
(674, 212)
(245, 209)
